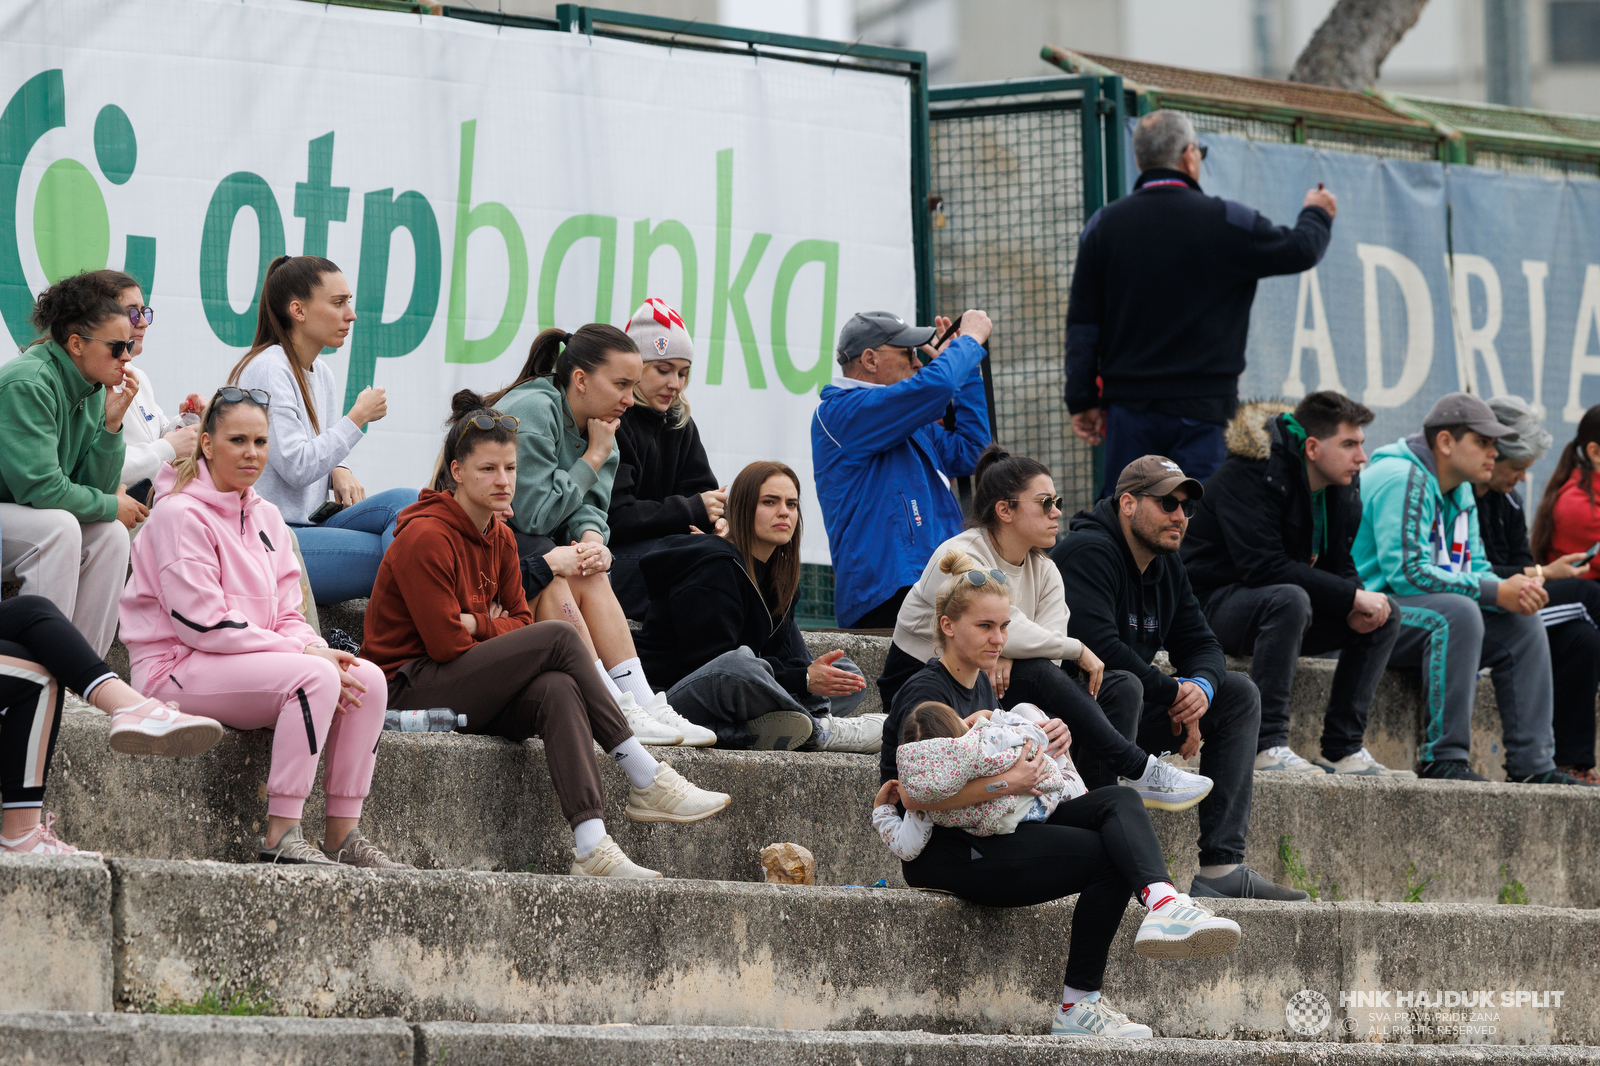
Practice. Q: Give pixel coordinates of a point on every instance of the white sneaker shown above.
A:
(694, 736)
(859, 733)
(1183, 929)
(1164, 787)
(1362, 764)
(607, 860)
(1283, 759)
(1091, 1017)
(646, 728)
(156, 728)
(671, 798)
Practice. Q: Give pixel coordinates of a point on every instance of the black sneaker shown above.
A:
(1448, 770)
(1244, 883)
(1550, 777)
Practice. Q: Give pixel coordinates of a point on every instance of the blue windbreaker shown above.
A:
(876, 455)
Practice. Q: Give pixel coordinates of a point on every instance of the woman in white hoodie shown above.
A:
(149, 437)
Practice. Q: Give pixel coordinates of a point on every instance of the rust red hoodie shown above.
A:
(439, 568)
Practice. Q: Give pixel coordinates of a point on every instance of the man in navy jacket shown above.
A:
(1160, 304)
(882, 464)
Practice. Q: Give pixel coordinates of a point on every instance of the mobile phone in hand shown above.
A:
(325, 512)
(1594, 549)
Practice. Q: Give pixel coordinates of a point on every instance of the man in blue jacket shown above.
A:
(882, 462)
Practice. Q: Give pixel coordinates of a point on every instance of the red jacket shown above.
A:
(1576, 521)
(439, 568)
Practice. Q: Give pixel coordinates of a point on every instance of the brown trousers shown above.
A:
(538, 680)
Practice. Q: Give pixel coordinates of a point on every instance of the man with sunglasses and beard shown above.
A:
(1130, 597)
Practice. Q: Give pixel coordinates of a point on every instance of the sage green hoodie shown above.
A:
(558, 494)
(55, 452)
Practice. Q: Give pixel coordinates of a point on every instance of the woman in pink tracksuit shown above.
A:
(211, 616)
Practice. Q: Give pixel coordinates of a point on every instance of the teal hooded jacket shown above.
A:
(1413, 538)
(558, 495)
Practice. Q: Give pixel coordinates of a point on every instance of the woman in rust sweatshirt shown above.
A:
(449, 625)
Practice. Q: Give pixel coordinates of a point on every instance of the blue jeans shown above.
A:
(343, 553)
(1194, 445)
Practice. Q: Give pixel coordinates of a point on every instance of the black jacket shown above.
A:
(702, 604)
(1503, 525)
(1161, 294)
(1124, 616)
(661, 473)
(1254, 527)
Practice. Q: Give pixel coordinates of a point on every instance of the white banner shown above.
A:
(475, 183)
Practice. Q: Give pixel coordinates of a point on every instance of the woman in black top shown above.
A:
(1573, 612)
(664, 485)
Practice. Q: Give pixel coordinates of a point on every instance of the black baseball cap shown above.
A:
(869, 329)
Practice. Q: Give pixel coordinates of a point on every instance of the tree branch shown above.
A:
(1350, 46)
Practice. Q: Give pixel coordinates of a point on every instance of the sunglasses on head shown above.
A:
(488, 422)
(1170, 503)
(233, 394)
(144, 315)
(980, 578)
(117, 347)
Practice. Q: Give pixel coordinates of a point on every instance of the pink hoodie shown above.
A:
(211, 572)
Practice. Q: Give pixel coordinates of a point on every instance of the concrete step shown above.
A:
(527, 948)
(445, 800)
(62, 1039)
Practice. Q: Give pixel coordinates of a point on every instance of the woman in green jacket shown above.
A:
(64, 514)
(569, 399)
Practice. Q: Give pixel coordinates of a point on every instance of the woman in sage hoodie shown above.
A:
(569, 400)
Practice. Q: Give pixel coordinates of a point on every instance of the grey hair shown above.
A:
(1160, 138)
(1532, 439)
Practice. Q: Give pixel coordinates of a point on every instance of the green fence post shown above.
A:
(1115, 124)
(921, 185)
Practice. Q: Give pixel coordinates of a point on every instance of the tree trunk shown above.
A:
(1350, 46)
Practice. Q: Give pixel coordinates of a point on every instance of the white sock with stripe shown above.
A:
(1157, 894)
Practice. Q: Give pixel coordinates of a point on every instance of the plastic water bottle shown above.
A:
(432, 720)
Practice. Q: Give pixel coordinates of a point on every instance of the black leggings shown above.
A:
(39, 651)
(1100, 845)
(1575, 662)
(1094, 739)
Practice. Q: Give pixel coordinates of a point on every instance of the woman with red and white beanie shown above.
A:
(664, 483)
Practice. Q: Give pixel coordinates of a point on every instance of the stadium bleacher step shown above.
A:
(77, 1039)
(494, 947)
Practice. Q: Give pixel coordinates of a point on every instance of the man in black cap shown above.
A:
(1130, 597)
(881, 463)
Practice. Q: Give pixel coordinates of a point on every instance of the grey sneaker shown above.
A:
(780, 730)
(292, 849)
(1362, 764)
(861, 733)
(357, 850)
(1244, 883)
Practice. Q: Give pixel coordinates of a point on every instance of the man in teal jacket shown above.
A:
(1419, 542)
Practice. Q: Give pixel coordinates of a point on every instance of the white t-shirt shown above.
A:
(300, 461)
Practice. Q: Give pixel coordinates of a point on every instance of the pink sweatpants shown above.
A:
(297, 696)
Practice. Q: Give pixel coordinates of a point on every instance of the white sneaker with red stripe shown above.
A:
(1179, 928)
(42, 840)
(156, 728)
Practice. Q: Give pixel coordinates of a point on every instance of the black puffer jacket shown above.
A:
(1503, 525)
(661, 473)
(1254, 525)
(702, 604)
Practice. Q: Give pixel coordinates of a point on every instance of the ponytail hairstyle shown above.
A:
(999, 478)
(555, 353)
(1574, 456)
(462, 438)
(289, 278)
(929, 720)
(188, 466)
(77, 305)
(784, 564)
(957, 593)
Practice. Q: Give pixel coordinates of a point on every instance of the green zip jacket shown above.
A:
(55, 452)
(558, 494)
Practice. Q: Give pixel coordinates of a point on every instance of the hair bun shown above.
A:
(464, 403)
(956, 561)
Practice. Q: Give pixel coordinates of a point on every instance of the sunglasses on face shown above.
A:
(1049, 503)
(1202, 148)
(488, 422)
(232, 394)
(117, 347)
(141, 315)
(980, 578)
(1170, 503)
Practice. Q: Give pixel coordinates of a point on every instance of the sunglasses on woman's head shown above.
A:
(1170, 503)
(980, 578)
(488, 422)
(141, 315)
(232, 394)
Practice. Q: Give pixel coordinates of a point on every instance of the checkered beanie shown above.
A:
(659, 332)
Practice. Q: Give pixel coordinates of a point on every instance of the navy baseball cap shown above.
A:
(869, 329)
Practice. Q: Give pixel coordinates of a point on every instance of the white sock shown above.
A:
(611, 686)
(586, 836)
(636, 762)
(629, 676)
(1070, 995)
(1218, 871)
(1156, 893)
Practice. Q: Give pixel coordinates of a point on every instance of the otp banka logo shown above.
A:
(71, 226)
